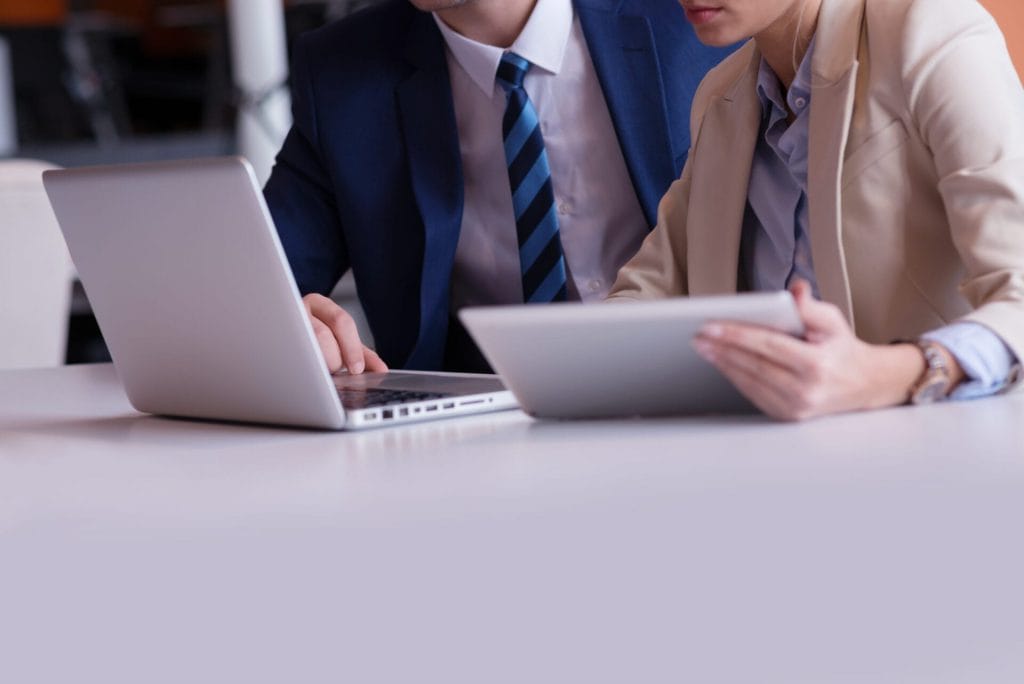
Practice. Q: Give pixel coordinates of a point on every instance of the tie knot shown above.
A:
(512, 71)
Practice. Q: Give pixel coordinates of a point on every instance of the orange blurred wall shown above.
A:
(1010, 15)
(32, 12)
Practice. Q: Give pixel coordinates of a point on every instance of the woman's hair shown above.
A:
(796, 36)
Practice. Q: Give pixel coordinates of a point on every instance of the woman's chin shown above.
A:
(713, 36)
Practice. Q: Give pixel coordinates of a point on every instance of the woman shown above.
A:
(869, 156)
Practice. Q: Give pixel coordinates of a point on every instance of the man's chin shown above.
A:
(437, 5)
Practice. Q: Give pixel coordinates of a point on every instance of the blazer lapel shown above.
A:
(834, 86)
(622, 49)
(430, 132)
(718, 192)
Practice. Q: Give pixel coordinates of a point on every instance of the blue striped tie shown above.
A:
(541, 260)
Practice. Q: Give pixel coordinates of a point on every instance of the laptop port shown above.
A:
(431, 408)
(450, 405)
(403, 412)
(388, 414)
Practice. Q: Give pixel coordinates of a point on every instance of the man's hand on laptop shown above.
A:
(339, 339)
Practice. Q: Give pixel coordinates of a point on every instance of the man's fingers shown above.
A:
(320, 306)
(342, 327)
(374, 364)
(328, 345)
(317, 304)
(351, 348)
(339, 338)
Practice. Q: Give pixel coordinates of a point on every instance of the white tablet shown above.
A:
(619, 358)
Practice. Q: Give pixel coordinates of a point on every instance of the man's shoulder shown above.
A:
(649, 8)
(663, 16)
(677, 43)
(376, 32)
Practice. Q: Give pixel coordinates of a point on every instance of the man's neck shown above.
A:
(491, 22)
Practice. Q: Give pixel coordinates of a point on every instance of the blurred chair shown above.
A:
(35, 271)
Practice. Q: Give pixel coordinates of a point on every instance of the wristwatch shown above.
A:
(936, 381)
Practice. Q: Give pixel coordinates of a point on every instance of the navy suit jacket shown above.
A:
(370, 176)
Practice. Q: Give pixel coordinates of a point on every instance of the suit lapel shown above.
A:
(718, 192)
(834, 85)
(622, 49)
(430, 132)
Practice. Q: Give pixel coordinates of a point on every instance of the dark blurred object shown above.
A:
(44, 106)
(174, 69)
(106, 70)
(177, 74)
(85, 342)
(35, 33)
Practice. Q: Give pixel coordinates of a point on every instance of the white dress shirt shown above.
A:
(600, 218)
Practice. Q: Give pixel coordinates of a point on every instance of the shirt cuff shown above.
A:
(985, 359)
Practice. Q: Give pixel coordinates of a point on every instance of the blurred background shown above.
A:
(105, 80)
(87, 82)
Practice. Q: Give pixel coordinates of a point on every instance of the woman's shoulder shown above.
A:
(911, 35)
(923, 24)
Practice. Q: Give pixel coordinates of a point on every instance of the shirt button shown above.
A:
(564, 208)
(800, 103)
(596, 285)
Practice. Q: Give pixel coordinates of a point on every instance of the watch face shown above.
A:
(933, 389)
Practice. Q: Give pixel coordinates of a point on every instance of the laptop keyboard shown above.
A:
(355, 399)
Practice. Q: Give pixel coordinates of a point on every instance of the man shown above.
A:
(464, 152)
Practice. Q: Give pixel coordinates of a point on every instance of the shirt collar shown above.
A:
(542, 42)
(769, 88)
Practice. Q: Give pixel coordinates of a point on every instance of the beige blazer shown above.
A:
(916, 174)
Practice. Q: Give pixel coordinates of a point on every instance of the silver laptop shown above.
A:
(195, 299)
(619, 359)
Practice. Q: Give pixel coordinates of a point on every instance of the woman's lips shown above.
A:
(702, 15)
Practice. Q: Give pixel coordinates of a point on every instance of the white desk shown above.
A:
(881, 548)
